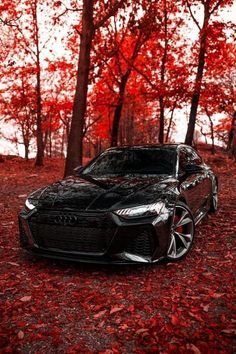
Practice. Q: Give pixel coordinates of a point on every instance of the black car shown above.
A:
(129, 204)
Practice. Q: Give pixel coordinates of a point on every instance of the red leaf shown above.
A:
(21, 324)
(230, 331)
(174, 320)
(20, 334)
(194, 349)
(142, 330)
(25, 298)
(206, 308)
(131, 308)
(116, 309)
(99, 314)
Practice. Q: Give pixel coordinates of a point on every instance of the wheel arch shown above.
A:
(182, 199)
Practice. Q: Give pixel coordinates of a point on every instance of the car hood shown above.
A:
(105, 193)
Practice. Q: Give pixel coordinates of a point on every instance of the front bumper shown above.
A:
(94, 237)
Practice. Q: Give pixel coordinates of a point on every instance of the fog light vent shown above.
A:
(142, 244)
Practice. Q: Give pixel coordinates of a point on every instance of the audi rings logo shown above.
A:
(64, 220)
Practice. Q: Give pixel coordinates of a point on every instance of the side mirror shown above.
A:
(78, 169)
(191, 169)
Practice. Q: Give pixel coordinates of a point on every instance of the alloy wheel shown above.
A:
(182, 232)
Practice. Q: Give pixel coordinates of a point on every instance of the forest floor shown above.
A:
(49, 306)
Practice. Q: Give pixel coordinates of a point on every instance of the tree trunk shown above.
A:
(50, 138)
(232, 137)
(62, 142)
(26, 150)
(130, 125)
(75, 142)
(45, 142)
(162, 121)
(25, 135)
(163, 69)
(212, 136)
(234, 145)
(124, 79)
(118, 110)
(198, 80)
(39, 132)
(204, 134)
(170, 124)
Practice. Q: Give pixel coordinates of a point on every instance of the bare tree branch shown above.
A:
(153, 86)
(10, 22)
(216, 6)
(110, 13)
(193, 17)
(89, 125)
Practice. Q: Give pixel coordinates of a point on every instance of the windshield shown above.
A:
(143, 161)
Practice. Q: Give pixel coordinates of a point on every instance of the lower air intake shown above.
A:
(142, 244)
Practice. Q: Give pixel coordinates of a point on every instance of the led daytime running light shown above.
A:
(140, 211)
(29, 205)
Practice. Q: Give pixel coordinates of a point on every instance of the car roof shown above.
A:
(145, 146)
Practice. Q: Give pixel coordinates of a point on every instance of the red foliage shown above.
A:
(53, 306)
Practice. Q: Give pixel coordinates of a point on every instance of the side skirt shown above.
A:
(200, 216)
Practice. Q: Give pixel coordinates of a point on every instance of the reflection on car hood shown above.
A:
(104, 193)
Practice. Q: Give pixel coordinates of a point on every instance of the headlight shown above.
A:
(141, 211)
(29, 204)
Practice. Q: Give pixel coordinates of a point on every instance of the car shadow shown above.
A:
(75, 266)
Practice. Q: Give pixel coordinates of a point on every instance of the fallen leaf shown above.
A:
(217, 295)
(141, 330)
(230, 331)
(26, 298)
(13, 264)
(206, 308)
(194, 349)
(21, 324)
(20, 334)
(99, 314)
(174, 320)
(116, 309)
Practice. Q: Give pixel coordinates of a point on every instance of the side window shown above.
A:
(183, 160)
(188, 156)
(193, 157)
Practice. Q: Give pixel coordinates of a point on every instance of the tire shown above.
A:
(214, 197)
(182, 232)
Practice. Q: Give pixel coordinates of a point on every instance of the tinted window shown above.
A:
(183, 160)
(133, 161)
(188, 156)
(193, 157)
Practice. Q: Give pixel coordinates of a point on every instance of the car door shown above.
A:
(203, 178)
(192, 186)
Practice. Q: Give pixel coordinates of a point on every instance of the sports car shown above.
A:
(129, 204)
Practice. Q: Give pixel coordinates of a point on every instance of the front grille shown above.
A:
(64, 218)
(142, 244)
(74, 232)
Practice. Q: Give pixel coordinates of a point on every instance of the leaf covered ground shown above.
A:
(49, 306)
